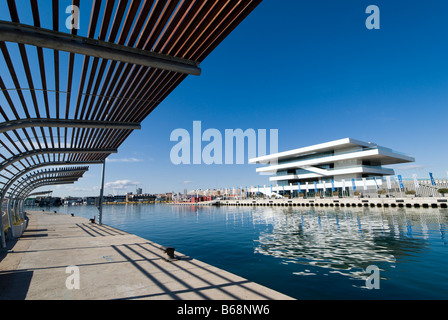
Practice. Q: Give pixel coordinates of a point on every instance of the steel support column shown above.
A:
(100, 205)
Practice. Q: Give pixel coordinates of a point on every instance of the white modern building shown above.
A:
(345, 164)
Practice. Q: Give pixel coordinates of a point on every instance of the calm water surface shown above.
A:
(303, 252)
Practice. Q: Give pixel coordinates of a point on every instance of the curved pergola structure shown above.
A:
(72, 96)
(26, 184)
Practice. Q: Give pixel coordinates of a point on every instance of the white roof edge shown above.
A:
(311, 148)
(397, 155)
(352, 155)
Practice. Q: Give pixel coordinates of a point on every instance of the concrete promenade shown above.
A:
(112, 265)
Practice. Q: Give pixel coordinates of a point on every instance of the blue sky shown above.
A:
(312, 70)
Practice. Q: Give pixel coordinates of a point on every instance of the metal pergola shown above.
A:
(72, 97)
(26, 184)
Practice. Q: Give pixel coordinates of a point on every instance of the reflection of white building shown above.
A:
(337, 241)
(334, 164)
(345, 240)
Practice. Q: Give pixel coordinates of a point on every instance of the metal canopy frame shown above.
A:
(63, 123)
(71, 98)
(55, 175)
(28, 154)
(49, 174)
(40, 193)
(21, 188)
(94, 48)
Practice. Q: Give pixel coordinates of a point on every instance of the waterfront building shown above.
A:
(333, 166)
(48, 201)
(29, 202)
(69, 201)
(121, 198)
(89, 201)
(140, 197)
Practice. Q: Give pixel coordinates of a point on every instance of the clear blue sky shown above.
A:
(312, 70)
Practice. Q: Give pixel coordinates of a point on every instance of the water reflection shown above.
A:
(345, 241)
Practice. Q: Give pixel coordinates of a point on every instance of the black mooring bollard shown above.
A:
(170, 252)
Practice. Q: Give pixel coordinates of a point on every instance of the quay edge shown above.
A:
(416, 202)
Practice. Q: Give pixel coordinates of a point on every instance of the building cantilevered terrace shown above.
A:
(332, 165)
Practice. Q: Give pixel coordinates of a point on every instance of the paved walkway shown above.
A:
(112, 265)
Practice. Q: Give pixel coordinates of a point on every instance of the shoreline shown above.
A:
(415, 202)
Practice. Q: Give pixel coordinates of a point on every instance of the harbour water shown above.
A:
(306, 253)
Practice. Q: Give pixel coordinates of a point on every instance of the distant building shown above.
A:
(48, 201)
(330, 165)
(140, 197)
(30, 202)
(89, 201)
(119, 198)
(72, 201)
